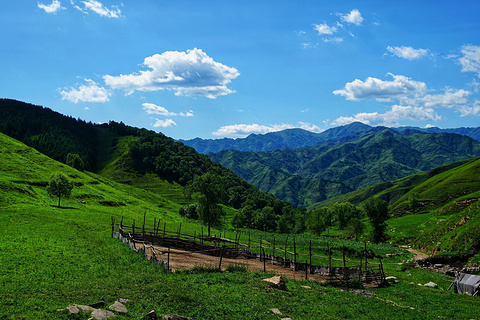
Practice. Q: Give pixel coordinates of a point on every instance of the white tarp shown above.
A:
(467, 283)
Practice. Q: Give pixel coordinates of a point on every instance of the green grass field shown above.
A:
(53, 257)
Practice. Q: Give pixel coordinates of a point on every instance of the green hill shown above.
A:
(136, 157)
(437, 210)
(295, 175)
(55, 257)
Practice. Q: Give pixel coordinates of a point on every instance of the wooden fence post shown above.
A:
(273, 253)
(164, 229)
(306, 270)
(154, 226)
(345, 276)
(113, 225)
(220, 263)
(310, 249)
(133, 227)
(121, 223)
(294, 255)
(329, 261)
(285, 259)
(168, 260)
(264, 262)
(179, 230)
(366, 254)
(261, 245)
(143, 227)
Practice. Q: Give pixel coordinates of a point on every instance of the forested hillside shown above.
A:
(48, 131)
(309, 175)
(132, 155)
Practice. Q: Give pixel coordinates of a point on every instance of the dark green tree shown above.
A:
(209, 192)
(413, 200)
(377, 212)
(189, 211)
(317, 221)
(356, 227)
(59, 186)
(343, 213)
(75, 161)
(265, 219)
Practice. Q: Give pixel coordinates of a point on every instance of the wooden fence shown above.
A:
(142, 238)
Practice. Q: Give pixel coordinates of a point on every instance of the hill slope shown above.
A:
(136, 157)
(295, 175)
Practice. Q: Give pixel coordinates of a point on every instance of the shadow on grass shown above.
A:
(57, 207)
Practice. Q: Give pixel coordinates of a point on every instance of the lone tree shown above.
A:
(377, 212)
(209, 192)
(59, 186)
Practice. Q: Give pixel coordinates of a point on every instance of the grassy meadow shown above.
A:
(53, 257)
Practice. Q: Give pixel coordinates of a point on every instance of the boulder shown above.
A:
(84, 309)
(431, 285)
(276, 311)
(102, 314)
(118, 307)
(277, 282)
(73, 309)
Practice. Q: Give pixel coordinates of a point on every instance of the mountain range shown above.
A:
(335, 167)
(299, 138)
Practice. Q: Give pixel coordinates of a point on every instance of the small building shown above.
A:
(467, 283)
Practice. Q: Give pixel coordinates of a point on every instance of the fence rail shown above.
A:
(142, 238)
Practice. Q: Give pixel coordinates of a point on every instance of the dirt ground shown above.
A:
(184, 260)
(418, 255)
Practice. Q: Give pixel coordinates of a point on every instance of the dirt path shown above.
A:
(184, 260)
(418, 255)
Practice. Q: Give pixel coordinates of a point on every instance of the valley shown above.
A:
(53, 256)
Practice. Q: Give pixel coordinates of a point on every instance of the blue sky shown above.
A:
(214, 69)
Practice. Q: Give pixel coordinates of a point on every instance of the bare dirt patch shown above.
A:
(418, 255)
(185, 260)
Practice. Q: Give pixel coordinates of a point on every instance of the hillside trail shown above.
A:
(185, 260)
(418, 254)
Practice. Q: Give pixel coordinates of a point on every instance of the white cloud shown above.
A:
(450, 99)
(190, 73)
(89, 92)
(54, 7)
(167, 123)
(334, 40)
(470, 61)
(391, 117)
(324, 29)
(151, 108)
(242, 130)
(354, 17)
(408, 53)
(373, 88)
(100, 9)
(471, 111)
